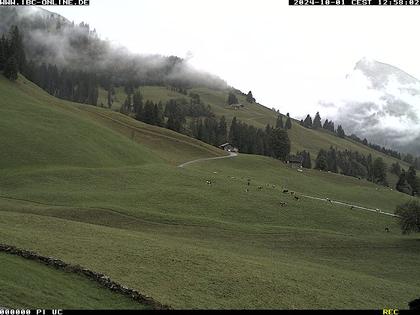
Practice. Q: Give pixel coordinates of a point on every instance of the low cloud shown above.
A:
(381, 103)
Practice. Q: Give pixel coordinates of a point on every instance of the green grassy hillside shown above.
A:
(135, 216)
(258, 115)
(25, 284)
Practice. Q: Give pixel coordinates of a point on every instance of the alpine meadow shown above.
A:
(135, 181)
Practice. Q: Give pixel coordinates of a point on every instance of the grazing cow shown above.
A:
(285, 191)
(351, 207)
(292, 193)
(387, 230)
(247, 190)
(260, 187)
(329, 200)
(283, 204)
(296, 197)
(208, 182)
(274, 186)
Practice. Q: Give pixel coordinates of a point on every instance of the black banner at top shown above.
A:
(42, 2)
(354, 2)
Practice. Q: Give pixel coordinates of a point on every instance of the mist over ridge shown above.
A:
(51, 38)
(379, 102)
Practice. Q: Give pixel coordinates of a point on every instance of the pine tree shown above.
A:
(280, 144)
(306, 159)
(379, 171)
(158, 115)
(403, 185)
(250, 98)
(317, 121)
(340, 131)
(16, 48)
(110, 100)
(138, 103)
(321, 161)
(3, 48)
(413, 180)
(232, 99)
(279, 122)
(11, 69)
(160, 118)
(332, 160)
(288, 124)
(149, 113)
(222, 131)
(308, 121)
(233, 133)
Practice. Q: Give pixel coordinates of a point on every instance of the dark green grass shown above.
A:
(29, 284)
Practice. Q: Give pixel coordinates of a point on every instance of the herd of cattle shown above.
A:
(285, 191)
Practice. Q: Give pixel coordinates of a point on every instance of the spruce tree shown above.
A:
(138, 103)
(109, 96)
(222, 131)
(317, 121)
(280, 144)
(306, 159)
(332, 160)
(250, 98)
(340, 131)
(158, 118)
(11, 69)
(149, 113)
(403, 185)
(16, 48)
(232, 99)
(308, 121)
(233, 132)
(379, 171)
(3, 49)
(288, 124)
(321, 161)
(413, 180)
(279, 122)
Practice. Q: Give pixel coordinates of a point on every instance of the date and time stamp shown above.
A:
(354, 2)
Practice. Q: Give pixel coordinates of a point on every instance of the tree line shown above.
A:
(12, 54)
(316, 123)
(352, 163)
(195, 119)
(76, 86)
(408, 181)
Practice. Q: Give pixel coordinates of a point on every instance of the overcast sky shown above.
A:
(290, 57)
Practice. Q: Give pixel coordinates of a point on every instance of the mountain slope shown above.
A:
(258, 115)
(167, 233)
